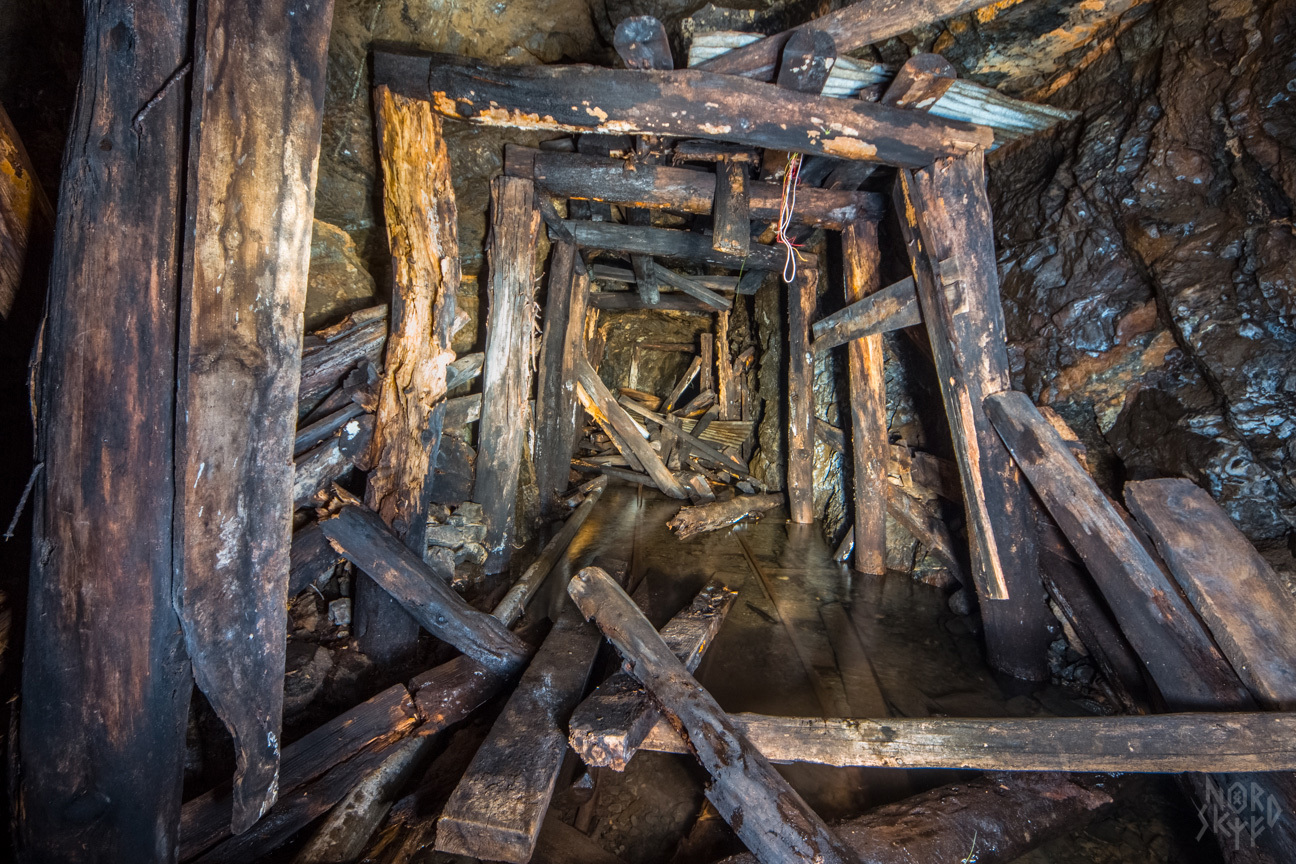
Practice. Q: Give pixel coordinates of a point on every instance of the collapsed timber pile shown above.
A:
(1177, 608)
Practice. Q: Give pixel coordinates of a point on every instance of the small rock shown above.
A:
(351, 672)
(960, 602)
(339, 612)
(471, 552)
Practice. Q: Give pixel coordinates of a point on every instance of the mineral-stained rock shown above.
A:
(339, 283)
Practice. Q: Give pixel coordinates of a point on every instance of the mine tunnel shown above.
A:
(606, 432)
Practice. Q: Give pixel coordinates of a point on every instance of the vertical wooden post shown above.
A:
(869, 445)
(258, 103)
(944, 213)
(106, 685)
(420, 211)
(800, 446)
(553, 379)
(506, 374)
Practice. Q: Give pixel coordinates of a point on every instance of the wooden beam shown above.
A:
(763, 809)
(608, 727)
(506, 375)
(316, 470)
(801, 302)
(610, 411)
(891, 308)
(695, 366)
(1148, 744)
(1158, 622)
(927, 528)
(365, 541)
(682, 103)
(1248, 610)
(850, 28)
(577, 175)
(621, 301)
(555, 377)
(104, 780)
(672, 244)
(945, 214)
(692, 287)
(313, 560)
(420, 214)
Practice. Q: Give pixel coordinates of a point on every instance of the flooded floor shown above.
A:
(809, 637)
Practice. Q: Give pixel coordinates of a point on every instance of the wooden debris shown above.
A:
(800, 440)
(921, 81)
(316, 470)
(1248, 610)
(366, 542)
(728, 463)
(672, 244)
(329, 354)
(694, 367)
(609, 726)
(506, 378)
(690, 521)
(672, 103)
(641, 43)
(946, 215)
(313, 559)
(927, 528)
(568, 175)
(763, 809)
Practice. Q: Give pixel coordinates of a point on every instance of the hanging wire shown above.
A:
(791, 176)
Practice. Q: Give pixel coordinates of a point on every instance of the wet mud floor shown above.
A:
(808, 637)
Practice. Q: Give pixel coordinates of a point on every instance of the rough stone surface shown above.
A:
(339, 282)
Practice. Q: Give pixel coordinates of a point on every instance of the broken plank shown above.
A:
(691, 287)
(1158, 622)
(316, 470)
(762, 807)
(800, 451)
(690, 521)
(1242, 601)
(506, 375)
(927, 528)
(577, 175)
(891, 308)
(365, 541)
(694, 367)
(1143, 744)
(672, 244)
(612, 413)
(729, 463)
(731, 209)
(608, 727)
(331, 353)
(946, 214)
(685, 102)
(313, 560)
(726, 389)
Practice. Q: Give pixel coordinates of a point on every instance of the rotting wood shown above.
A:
(763, 809)
(604, 402)
(685, 102)
(575, 175)
(690, 521)
(422, 234)
(991, 809)
(869, 438)
(673, 244)
(506, 377)
(329, 354)
(317, 469)
(1158, 622)
(554, 377)
(891, 308)
(365, 541)
(26, 217)
(726, 388)
(608, 727)
(641, 42)
(100, 765)
(708, 367)
(1247, 609)
(927, 528)
(1151, 744)
(850, 28)
(258, 106)
(945, 214)
(205, 820)
(800, 450)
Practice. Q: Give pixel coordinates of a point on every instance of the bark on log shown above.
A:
(690, 521)
(763, 809)
(684, 103)
(506, 375)
(101, 764)
(800, 451)
(258, 105)
(946, 215)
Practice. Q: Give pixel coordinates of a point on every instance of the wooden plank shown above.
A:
(694, 367)
(420, 214)
(641, 43)
(612, 413)
(1158, 622)
(506, 375)
(946, 215)
(1248, 610)
(869, 437)
(365, 541)
(850, 28)
(726, 389)
(927, 528)
(576, 175)
(608, 727)
(103, 780)
(764, 810)
(321, 430)
(1147, 744)
(673, 244)
(685, 102)
(620, 301)
(258, 107)
(708, 367)
(800, 452)
(691, 287)
(554, 379)
(891, 308)
(388, 716)
(25, 213)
